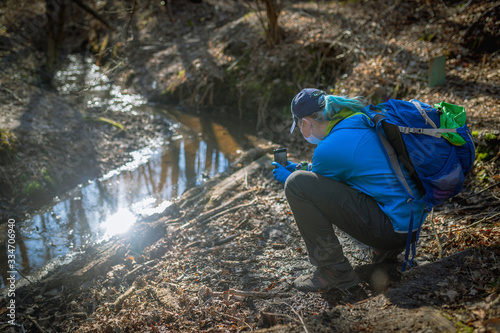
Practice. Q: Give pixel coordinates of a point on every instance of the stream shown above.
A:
(92, 212)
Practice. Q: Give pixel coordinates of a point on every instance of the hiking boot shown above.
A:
(381, 256)
(340, 276)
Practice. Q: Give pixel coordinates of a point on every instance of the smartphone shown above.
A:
(280, 156)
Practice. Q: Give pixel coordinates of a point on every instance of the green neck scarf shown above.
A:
(343, 114)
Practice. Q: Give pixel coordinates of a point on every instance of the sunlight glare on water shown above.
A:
(149, 206)
(110, 205)
(118, 223)
(155, 177)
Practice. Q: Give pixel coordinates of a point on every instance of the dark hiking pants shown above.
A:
(317, 202)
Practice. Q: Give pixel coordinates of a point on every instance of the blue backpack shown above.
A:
(435, 146)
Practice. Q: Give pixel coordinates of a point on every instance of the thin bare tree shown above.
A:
(270, 24)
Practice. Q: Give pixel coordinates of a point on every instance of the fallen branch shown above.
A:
(195, 198)
(118, 302)
(242, 223)
(483, 190)
(129, 274)
(13, 94)
(470, 225)
(221, 208)
(227, 211)
(94, 14)
(226, 240)
(477, 222)
(37, 325)
(300, 318)
(458, 209)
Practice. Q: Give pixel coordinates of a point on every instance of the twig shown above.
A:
(465, 6)
(234, 262)
(458, 209)
(336, 40)
(227, 211)
(298, 315)
(258, 294)
(217, 210)
(483, 190)
(79, 314)
(480, 221)
(440, 247)
(13, 94)
(117, 303)
(234, 318)
(300, 318)
(36, 324)
(136, 269)
(279, 315)
(242, 223)
(94, 14)
(193, 199)
(24, 276)
(226, 240)
(471, 225)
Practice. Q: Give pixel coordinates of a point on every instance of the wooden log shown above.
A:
(96, 261)
(236, 179)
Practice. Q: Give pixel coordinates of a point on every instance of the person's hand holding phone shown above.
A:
(282, 167)
(291, 166)
(280, 173)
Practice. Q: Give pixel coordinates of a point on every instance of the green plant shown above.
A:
(48, 179)
(31, 187)
(490, 136)
(7, 140)
(482, 156)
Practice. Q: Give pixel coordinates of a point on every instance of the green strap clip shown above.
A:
(303, 166)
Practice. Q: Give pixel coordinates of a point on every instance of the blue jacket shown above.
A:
(351, 153)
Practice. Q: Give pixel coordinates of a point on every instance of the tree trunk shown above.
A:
(273, 10)
(55, 29)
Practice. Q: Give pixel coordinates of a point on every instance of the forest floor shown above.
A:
(223, 257)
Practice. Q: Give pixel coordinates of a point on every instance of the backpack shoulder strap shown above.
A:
(393, 159)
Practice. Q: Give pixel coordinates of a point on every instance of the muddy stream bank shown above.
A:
(191, 149)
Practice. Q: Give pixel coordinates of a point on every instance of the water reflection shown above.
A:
(81, 78)
(104, 207)
(110, 205)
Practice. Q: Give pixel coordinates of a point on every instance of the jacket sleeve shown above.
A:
(334, 159)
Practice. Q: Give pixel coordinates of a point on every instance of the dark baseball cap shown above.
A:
(307, 102)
